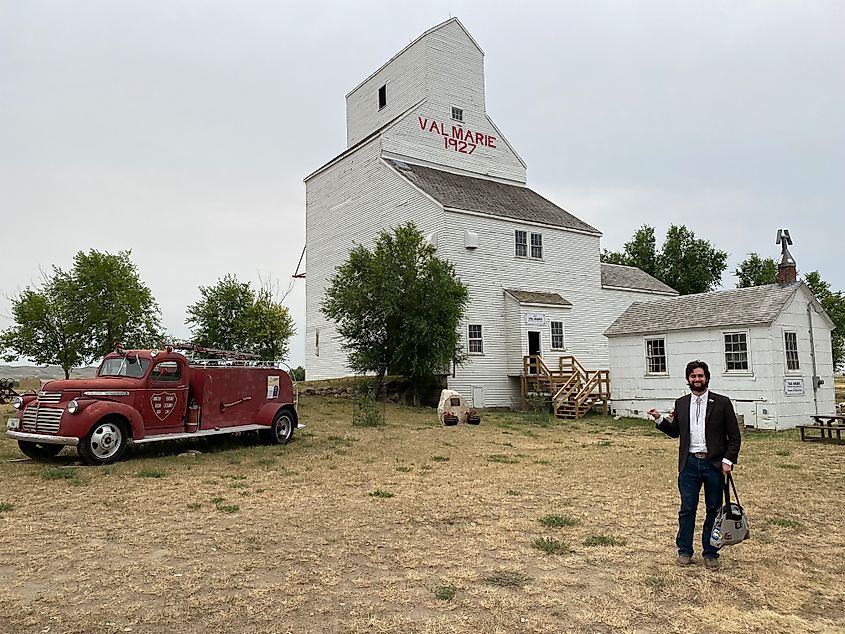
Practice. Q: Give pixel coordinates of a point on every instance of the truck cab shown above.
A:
(142, 396)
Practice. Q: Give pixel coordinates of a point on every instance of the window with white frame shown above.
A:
(655, 355)
(475, 339)
(520, 243)
(557, 335)
(790, 347)
(537, 246)
(736, 351)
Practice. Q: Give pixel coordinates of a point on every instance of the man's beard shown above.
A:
(704, 385)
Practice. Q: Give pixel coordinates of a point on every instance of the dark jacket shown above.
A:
(721, 430)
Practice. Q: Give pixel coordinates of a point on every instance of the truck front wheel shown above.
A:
(105, 443)
(282, 430)
(39, 450)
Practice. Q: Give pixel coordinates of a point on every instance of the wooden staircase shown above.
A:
(572, 389)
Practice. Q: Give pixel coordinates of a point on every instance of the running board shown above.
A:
(217, 431)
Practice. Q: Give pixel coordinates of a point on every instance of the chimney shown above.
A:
(787, 273)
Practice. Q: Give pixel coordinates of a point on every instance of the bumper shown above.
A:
(43, 439)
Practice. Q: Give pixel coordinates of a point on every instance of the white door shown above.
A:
(477, 397)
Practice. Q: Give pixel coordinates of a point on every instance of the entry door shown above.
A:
(534, 348)
(477, 397)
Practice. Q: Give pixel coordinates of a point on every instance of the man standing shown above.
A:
(709, 447)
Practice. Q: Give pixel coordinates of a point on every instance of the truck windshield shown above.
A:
(130, 365)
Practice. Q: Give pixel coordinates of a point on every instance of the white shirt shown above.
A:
(697, 415)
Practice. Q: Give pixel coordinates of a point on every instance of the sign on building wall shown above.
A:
(793, 387)
(535, 319)
(456, 137)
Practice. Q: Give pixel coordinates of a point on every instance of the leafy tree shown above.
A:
(684, 262)
(298, 373)
(233, 316)
(834, 305)
(79, 315)
(397, 307)
(756, 271)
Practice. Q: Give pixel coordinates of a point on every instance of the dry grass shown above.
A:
(244, 538)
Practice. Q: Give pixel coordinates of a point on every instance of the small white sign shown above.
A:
(535, 319)
(793, 387)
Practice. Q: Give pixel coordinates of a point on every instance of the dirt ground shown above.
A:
(413, 527)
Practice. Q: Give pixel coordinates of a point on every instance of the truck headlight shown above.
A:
(17, 402)
(73, 407)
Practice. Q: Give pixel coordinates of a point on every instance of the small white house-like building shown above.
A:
(421, 147)
(768, 349)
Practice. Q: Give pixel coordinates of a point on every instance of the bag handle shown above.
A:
(729, 484)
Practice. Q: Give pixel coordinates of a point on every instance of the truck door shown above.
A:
(165, 400)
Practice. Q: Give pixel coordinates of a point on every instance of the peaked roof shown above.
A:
(437, 27)
(735, 307)
(468, 193)
(533, 297)
(620, 276)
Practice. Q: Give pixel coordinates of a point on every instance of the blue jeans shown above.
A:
(695, 473)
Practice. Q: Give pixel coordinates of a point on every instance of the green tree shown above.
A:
(834, 305)
(684, 262)
(233, 316)
(76, 316)
(397, 307)
(756, 271)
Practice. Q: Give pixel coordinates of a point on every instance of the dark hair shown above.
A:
(692, 365)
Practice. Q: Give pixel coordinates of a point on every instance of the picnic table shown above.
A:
(826, 424)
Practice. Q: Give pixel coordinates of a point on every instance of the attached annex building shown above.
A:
(768, 349)
(421, 148)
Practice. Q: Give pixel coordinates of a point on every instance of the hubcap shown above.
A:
(105, 441)
(283, 428)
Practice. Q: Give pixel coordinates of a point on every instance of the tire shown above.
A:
(281, 432)
(39, 450)
(105, 443)
(450, 420)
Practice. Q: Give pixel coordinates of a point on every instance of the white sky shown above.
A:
(183, 130)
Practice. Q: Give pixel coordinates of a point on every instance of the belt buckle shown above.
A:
(701, 455)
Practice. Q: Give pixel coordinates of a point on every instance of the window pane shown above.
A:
(790, 341)
(536, 245)
(557, 335)
(521, 244)
(736, 351)
(476, 342)
(655, 350)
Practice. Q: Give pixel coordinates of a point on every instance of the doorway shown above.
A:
(534, 349)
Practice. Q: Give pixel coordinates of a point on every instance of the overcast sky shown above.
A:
(183, 130)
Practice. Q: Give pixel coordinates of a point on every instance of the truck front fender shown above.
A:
(82, 422)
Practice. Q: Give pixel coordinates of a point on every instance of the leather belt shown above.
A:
(701, 455)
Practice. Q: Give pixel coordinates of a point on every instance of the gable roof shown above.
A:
(633, 278)
(533, 297)
(480, 195)
(751, 306)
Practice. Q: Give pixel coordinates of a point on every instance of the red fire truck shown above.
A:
(143, 396)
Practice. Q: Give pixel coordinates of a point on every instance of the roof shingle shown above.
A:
(469, 193)
(631, 277)
(532, 297)
(734, 307)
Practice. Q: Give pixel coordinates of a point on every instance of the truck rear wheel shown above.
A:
(39, 450)
(105, 443)
(282, 429)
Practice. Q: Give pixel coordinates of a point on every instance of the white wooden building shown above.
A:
(422, 148)
(764, 346)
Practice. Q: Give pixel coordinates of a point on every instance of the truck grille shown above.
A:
(42, 420)
(49, 397)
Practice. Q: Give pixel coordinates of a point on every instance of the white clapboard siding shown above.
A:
(758, 394)
(348, 203)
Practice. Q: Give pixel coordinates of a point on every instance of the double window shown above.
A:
(736, 351)
(475, 339)
(558, 342)
(655, 355)
(521, 244)
(790, 347)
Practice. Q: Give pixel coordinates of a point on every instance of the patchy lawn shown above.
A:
(511, 526)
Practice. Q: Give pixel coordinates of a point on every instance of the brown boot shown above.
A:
(684, 560)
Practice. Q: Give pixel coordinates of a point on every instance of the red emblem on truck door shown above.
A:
(163, 404)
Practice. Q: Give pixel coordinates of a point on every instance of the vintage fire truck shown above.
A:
(143, 396)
